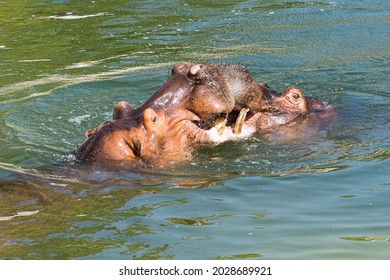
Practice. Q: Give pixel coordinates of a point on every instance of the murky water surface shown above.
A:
(316, 190)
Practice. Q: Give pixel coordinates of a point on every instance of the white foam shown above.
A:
(20, 214)
(79, 119)
(228, 134)
(92, 62)
(73, 17)
(34, 60)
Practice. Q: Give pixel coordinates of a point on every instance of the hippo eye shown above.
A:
(296, 96)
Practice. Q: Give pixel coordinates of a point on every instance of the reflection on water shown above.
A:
(313, 190)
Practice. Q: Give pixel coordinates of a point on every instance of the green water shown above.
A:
(312, 191)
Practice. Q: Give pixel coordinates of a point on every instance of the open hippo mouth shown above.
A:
(226, 97)
(213, 121)
(233, 121)
(281, 109)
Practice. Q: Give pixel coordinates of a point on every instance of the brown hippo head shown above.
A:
(166, 125)
(282, 109)
(153, 138)
(293, 102)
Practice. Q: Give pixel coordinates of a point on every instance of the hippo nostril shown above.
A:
(179, 68)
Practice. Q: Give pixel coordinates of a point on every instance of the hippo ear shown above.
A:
(122, 110)
(150, 118)
(90, 132)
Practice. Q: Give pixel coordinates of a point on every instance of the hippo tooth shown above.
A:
(194, 69)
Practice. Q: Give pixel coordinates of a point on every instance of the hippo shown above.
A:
(166, 126)
(149, 140)
(282, 109)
